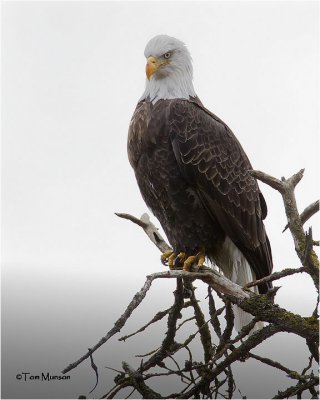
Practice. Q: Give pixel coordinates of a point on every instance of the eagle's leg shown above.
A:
(191, 260)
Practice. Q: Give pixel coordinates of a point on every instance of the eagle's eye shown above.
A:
(167, 55)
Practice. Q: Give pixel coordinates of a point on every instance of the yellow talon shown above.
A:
(198, 260)
(188, 263)
(175, 261)
(165, 256)
(201, 261)
(171, 259)
(202, 257)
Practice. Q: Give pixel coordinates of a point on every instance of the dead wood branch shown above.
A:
(307, 213)
(276, 276)
(266, 312)
(303, 248)
(150, 229)
(138, 383)
(213, 377)
(299, 388)
(137, 299)
(160, 315)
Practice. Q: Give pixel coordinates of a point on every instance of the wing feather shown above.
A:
(213, 162)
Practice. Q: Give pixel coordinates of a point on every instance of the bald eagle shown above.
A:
(194, 175)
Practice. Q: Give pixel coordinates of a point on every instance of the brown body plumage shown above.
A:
(195, 177)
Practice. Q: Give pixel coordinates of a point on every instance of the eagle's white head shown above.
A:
(168, 69)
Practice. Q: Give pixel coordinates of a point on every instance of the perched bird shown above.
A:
(194, 175)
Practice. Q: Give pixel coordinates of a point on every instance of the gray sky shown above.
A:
(72, 73)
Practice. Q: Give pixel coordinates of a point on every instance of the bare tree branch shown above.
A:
(137, 299)
(241, 352)
(139, 384)
(213, 376)
(307, 213)
(300, 387)
(160, 315)
(276, 275)
(286, 187)
(275, 364)
(205, 335)
(151, 231)
(257, 305)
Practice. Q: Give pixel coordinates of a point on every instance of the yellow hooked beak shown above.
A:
(152, 66)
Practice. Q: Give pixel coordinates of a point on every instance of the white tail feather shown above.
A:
(236, 268)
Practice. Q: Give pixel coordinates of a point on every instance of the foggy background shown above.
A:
(72, 73)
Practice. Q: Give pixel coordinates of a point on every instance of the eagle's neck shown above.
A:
(176, 85)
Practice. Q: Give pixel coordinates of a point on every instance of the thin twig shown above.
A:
(95, 368)
(139, 384)
(157, 317)
(174, 315)
(212, 311)
(185, 321)
(137, 299)
(149, 228)
(292, 374)
(116, 389)
(147, 354)
(308, 366)
(276, 275)
(299, 387)
(132, 391)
